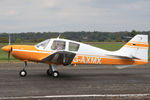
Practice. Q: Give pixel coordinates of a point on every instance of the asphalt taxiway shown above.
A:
(80, 80)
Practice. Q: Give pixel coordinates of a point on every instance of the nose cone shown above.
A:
(6, 48)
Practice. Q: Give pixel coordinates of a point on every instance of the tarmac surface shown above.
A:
(79, 80)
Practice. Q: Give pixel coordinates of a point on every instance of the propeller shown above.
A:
(9, 53)
(9, 42)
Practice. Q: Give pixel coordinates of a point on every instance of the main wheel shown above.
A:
(55, 74)
(49, 72)
(23, 73)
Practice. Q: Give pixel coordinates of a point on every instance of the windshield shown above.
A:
(43, 44)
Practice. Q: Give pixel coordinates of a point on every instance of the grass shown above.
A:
(112, 46)
(108, 45)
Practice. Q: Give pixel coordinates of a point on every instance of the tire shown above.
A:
(55, 74)
(23, 73)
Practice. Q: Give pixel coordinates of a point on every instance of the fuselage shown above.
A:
(85, 54)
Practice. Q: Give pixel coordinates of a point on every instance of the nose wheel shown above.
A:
(23, 73)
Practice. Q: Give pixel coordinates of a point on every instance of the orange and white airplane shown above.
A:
(64, 52)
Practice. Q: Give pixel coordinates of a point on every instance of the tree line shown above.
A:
(82, 36)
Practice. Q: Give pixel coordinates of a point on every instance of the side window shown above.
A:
(73, 46)
(58, 45)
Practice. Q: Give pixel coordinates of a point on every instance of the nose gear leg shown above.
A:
(23, 72)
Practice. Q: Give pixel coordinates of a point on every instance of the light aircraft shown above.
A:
(58, 51)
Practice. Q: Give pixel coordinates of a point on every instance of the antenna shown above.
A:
(9, 39)
(59, 35)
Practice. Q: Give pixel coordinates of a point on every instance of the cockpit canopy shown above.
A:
(58, 44)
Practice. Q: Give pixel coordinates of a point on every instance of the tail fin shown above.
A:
(137, 47)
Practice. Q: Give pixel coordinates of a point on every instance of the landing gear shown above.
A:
(52, 71)
(49, 72)
(23, 72)
(55, 74)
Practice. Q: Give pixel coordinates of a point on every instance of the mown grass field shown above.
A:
(112, 46)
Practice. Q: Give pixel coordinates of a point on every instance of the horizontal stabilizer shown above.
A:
(124, 66)
(124, 57)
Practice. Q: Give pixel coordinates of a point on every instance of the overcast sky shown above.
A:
(74, 15)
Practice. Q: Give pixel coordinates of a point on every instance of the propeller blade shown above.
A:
(9, 53)
(9, 40)
(8, 56)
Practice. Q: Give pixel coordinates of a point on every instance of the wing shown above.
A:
(60, 57)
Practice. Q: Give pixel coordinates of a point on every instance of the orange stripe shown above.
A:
(127, 46)
(122, 61)
(135, 44)
(103, 60)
